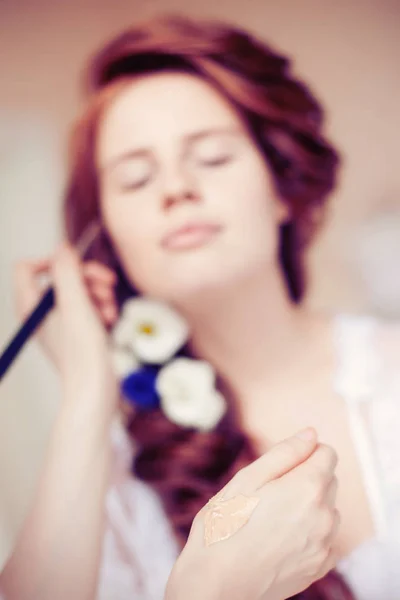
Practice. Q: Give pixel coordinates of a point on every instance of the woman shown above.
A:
(205, 162)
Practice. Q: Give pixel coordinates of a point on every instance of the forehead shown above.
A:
(160, 107)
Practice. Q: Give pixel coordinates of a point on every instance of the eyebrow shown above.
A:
(187, 140)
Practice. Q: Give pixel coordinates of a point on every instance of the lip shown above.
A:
(190, 236)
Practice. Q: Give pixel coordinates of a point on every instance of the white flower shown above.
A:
(124, 361)
(188, 396)
(153, 330)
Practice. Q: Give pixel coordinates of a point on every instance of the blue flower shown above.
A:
(139, 388)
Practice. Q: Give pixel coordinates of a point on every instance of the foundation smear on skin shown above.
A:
(225, 517)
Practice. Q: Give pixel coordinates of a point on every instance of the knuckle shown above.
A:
(337, 517)
(335, 482)
(332, 456)
(333, 490)
(326, 568)
(315, 489)
(322, 557)
(336, 523)
(326, 458)
(326, 523)
(317, 563)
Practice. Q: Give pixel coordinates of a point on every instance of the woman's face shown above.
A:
(186, 195)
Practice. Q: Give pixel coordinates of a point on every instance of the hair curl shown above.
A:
(184, 466)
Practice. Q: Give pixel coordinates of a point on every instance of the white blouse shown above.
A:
(139, 549)
(368, 378)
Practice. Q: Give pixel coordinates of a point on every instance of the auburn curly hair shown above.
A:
(184, 466)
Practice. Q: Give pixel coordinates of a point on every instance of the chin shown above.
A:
(196, 284)
(202, 276)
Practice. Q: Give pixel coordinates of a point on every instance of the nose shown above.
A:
(183, 196)
(179, 188)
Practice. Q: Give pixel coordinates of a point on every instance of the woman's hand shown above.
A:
(74, 333)
(287, 542)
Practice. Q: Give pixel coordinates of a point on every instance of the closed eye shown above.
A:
(216, 161)
(135, 173)
(214, 150)
(137, 184)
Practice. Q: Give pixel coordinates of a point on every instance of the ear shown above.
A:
(282, 212)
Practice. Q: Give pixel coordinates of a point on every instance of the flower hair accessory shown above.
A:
(144, 344)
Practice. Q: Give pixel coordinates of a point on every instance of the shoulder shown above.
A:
(387, 340)
(368, 355)
(370, 382)
(381, 335)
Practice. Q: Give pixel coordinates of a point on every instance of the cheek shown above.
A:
(250, 202)
(134, 238)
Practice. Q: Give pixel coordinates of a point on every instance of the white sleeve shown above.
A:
(369, 380)
(375, 423)
(139, 548)
(387, 340)
(385, 414)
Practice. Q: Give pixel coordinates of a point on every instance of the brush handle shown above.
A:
(26, 330)
(45, 304)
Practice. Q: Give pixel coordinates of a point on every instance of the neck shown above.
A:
(249, 333)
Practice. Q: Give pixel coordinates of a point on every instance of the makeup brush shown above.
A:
(43, 307)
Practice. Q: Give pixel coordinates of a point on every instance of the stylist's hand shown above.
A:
(74, 333)
(98, 280)
(287, 543)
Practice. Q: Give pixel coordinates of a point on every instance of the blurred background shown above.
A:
(349, 51)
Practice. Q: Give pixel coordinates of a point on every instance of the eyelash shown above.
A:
(217, 161)
(133, 187)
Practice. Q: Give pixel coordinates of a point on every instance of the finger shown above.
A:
(27, 289)
(27, 271)
(322, 463)
(96, 271)
(335, 527)
(39, 266)
(103, 292)
(68, 279)
(330, 543)
(105, 303)
(280, 459)
(328, 565)
(108, 313)
(331, 493)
